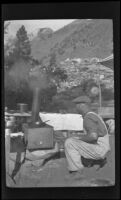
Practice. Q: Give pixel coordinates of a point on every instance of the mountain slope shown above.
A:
(81, 38)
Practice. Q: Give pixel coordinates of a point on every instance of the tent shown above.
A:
(108, 62)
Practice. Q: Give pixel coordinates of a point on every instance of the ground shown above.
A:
(55, 173)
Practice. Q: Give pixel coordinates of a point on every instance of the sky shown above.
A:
(34, 25)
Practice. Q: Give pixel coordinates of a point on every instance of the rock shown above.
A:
(45, 33)
(9, 181)
(101, 182)
(91, 183)
(36, 163)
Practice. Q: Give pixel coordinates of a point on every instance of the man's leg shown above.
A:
(72, 156)
(75, 148)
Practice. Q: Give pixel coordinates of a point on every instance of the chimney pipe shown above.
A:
(35, 105)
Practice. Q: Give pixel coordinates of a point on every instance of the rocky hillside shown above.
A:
(81, 38)
(44, 33)
(72, 44)
(77, 73)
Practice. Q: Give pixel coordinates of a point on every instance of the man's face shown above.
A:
(82, 108)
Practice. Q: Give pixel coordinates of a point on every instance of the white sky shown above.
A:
(33, 25)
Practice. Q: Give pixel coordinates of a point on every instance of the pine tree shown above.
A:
(6, 26)
(23, 47)
(53, 62)
(54, 70)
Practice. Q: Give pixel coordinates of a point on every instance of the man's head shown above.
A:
(82, 108)
(82, 104)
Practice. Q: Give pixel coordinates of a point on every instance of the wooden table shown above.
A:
(20, 118)
(18, 114)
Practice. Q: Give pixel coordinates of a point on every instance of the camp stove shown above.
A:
(38, 135)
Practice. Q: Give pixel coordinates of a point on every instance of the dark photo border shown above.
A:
(70, 10)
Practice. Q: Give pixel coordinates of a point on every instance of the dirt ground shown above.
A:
(55, 173)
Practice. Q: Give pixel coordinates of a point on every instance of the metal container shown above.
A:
(9, 124)
(38, 138)
(22, 107)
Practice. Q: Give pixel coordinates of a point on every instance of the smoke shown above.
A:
(22, 71)
(38, 79)
(19, 72)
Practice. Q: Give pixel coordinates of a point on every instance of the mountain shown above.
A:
(81, 39)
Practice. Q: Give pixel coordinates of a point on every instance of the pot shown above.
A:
(22, 107)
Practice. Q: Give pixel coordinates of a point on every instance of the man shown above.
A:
(94, 144)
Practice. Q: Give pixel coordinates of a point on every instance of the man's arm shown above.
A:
(90, 127)
(89, 138)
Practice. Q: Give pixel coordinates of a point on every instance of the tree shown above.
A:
(17, 48)
(53, 62)
(6, 25)
(23, 47)
(107, 93)
(16, 84)
(54, 71)
(44, 81)
(8, 43)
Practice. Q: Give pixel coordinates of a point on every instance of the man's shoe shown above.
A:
(91, 162)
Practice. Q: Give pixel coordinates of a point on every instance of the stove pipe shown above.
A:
(35, 106)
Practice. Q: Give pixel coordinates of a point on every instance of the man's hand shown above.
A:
(74, 134)
(94, 136)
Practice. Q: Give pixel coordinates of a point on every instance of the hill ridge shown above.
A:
(87, 38)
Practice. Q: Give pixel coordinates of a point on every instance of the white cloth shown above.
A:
(63, 121)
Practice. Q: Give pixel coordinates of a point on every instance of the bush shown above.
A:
(107, 94)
